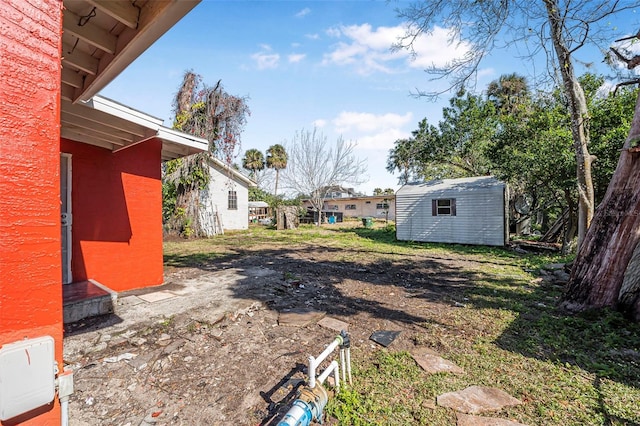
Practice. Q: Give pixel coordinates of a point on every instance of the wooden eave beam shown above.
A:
(156, 18)
(104, 118)
(122, 11)
(80, 60)
(71, 77)
(71, 134)
(96, 135)
(89, 32)
(94, 126)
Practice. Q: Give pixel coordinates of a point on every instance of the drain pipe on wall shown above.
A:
(313, 397)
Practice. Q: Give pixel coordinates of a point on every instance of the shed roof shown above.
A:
(461, 184)
(258, 204)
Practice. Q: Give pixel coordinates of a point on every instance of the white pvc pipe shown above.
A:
(337, 341)
(332, 367)
(312, 372)
(315, 362)
(349, 364)
(342, 364)
(64, 411)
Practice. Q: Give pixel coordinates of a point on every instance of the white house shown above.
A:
(465, 211)
(225, 200)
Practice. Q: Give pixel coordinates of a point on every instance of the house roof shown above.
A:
(462, 184)
(100, 38)
(222, 167)
(108, 124)
(258, 204)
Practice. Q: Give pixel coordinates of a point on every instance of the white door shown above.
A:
(65, 216)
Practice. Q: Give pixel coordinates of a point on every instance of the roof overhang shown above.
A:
(111, 125)
(224, 168)
(102, 37)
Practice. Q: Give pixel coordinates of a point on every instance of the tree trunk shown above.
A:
(599, 269)
(579, 117)
(629, 299)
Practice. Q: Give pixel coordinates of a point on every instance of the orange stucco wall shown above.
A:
(30, 265)
(116, 203)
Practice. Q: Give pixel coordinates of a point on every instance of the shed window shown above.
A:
(382, 206)
(443, 207)
(233, 200)
(350, 207)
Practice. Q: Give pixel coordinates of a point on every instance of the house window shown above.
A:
(382, 206)
(233, 200)
(350, 207)
(333, 207)
(443, 207)
(367, 202)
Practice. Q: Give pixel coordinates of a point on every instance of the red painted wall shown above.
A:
(30, 263)
(116, 201)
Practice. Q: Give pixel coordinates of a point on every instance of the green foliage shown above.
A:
(521, 137)
(254, 161)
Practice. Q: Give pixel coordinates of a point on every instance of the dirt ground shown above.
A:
(213, 352)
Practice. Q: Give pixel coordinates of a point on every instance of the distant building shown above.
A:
(225, 201)
(376, 206)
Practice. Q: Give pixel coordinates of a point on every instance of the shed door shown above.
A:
(65, 216)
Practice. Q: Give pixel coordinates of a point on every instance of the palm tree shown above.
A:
(254, 161)
(277, 159)
(508, 92)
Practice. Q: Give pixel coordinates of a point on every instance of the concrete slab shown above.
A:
(130, 301)
(299, 318)
(333, 324)
(157, 296)
(469, 420)
(433, 363)
(477, 400)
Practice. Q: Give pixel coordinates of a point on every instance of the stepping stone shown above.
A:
(156, 296)
(468, 420)
(333, 324)
(384, 337)
(298, 318)
(432, 363)
(477, 399)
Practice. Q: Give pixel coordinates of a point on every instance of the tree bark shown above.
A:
(629, 299)
(606, 252)
(579, 120)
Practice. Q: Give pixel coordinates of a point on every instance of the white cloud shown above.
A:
(383, 140)
(304, 12)
(348, 121)
(312, 36)
(319, 123)
(296, 57)
(266, 61)
(369, 49)
(438, 48)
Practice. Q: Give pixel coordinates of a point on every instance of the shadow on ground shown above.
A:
(346, 283)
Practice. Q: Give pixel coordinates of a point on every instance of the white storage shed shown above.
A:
(464, 211)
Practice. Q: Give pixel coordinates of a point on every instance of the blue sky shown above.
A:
(304, 64)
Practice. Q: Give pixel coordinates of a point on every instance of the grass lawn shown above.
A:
(507, 333)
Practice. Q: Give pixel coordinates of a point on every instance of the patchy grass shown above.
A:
(504, 331)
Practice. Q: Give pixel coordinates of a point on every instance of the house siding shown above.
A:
(215, 198)
(30, 255)
(479, 217)
(117, 214)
